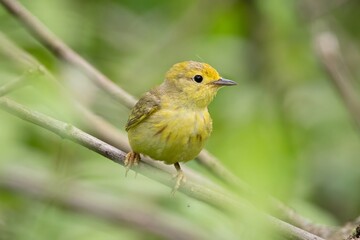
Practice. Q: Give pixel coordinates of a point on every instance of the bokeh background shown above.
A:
(284, 129)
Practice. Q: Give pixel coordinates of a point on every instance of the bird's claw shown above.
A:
(180, 178)
(131, 159)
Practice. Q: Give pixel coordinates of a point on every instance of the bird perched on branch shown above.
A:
(171, 122)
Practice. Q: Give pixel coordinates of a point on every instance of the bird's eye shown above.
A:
(198, 78)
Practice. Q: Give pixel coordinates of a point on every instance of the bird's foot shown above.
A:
(131, 159)
(180, 178)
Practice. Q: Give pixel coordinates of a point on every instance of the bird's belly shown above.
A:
(171, 136)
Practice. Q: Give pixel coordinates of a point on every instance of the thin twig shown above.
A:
(117, 211)
(11, 50)
(302, 222)
(207, 195)
(327, 48)
(12, 85)
(283, 210)
(312, 10)
(209, 161)
(61, 50)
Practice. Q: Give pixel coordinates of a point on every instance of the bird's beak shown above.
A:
(224, 82)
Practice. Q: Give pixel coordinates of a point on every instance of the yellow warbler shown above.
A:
(171, 122)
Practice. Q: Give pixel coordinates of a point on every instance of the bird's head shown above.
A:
(195, 83)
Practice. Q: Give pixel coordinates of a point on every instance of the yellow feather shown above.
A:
(171, 122)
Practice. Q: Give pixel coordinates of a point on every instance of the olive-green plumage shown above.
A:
(167, 131)
(171, 122)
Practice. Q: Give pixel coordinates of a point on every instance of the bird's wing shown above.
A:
(146, 106)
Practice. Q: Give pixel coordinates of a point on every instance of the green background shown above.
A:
(284, 129)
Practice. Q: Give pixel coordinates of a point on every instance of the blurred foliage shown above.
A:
(284, 129)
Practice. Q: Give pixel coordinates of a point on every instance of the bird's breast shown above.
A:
(174, 135)
(183, 126)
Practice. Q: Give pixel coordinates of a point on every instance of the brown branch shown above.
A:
(61, 50)
(302, 222)
(327, 49)
(283, 210)
(117, 211)
(350, 231)
(312, 10)
(206, 195)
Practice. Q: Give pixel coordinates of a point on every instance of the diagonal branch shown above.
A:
(62, 51)
(11, 86)
(77, 198)
(207, 195)
(350, 231)
(149, 168)
(327, 49)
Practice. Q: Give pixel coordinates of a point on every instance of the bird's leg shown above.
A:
(180, 177)
(131, 159)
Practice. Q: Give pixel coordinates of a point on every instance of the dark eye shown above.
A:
(198, 78)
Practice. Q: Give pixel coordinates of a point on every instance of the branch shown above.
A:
(350, 231)
(312, 10)
(327, 49)
(284, 211)
(61, 50)
(206, 195)
(301, 222)
(11, 86)
(13, 51)
(114, 210)
(149, 168)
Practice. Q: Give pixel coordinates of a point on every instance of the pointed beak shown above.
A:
(224, 82)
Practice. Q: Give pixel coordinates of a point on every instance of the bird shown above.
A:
(171, 122)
